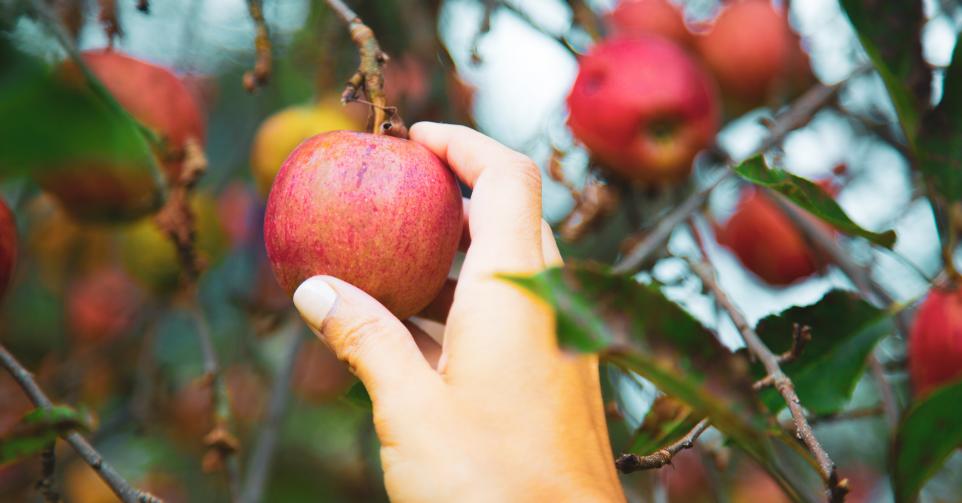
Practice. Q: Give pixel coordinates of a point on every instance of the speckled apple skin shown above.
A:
(643, 107)
(379, 212)
(935, 344)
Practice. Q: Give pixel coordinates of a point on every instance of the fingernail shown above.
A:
(314, 299)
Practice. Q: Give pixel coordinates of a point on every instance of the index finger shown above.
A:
(505, 212)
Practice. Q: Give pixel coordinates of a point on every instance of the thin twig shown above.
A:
(628, 463)
(259, 466)
(48, 467)
(801, 336)
(263, 63)
(803, 430)
(369, 77)
(795, 117)
(126, 492)
(483, 29)
(524, 16)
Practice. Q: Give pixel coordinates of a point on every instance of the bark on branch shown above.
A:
(628, 463)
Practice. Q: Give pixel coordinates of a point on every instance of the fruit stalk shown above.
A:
(261, 72)
(126, 492)
(369, 77)
(837, 488)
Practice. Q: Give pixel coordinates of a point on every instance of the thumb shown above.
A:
(363, 333)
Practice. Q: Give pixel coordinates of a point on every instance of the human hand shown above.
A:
(506, 416)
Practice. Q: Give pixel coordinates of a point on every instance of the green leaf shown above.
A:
(940, 139)
(51, 123)
(890, 33)
(357, 395)
(809, 196)
(930, 431)
(635, 327)
(37, 429)
(844, 330)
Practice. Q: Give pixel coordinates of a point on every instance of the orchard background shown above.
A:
(149, 353)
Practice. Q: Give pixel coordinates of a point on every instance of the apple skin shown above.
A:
(283, 131)
(767, 242)
(382, 213)
(935, 343)
(754, 55)
(653, 17)
(645, 120)
(8, 246)
(106, 191)
(102, 306)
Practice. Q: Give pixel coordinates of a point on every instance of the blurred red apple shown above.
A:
(237, 208)
(102, 306)
(756, 486)
(754, 54)
(104, 190)
(935, 343)
(379, 212)
(643, 107)
(8, 246)
(650, 17)
(318, 375)
(767, 242)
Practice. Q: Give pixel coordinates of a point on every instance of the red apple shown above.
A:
(643, 107)
(767, 242)
(935, 344)
(379, 212)
(102, 306)
(754, 54)
(651, 17)
(105, 190)
(8, 246)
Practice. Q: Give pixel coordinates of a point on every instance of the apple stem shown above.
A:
(261, 73)
(369, 77)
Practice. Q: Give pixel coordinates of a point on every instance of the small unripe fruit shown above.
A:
(150, 257)
(753, 54)
(8, 246)
(649, 17)
(643, 107)
(283, 131)
(379, 212)
(935, 344)
(107, 190)
(767, 242)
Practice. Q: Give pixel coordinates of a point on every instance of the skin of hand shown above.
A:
(506, 415)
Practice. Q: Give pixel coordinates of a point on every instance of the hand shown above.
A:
(507, 416)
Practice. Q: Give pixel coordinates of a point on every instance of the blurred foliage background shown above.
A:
(94, 310)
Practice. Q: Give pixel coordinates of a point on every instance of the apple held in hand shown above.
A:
(643, 107)
(382, 213)
(283, 131)
(767, 242)
(8, 246)
(107, 190)
(651, 17)
(935, 343)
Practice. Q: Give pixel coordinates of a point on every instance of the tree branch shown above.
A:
(258, 468)
(803, 430)
(126, 492)
(48, 467)
(263, 63)
(795, 117)
(628, 463)
(369, 77)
